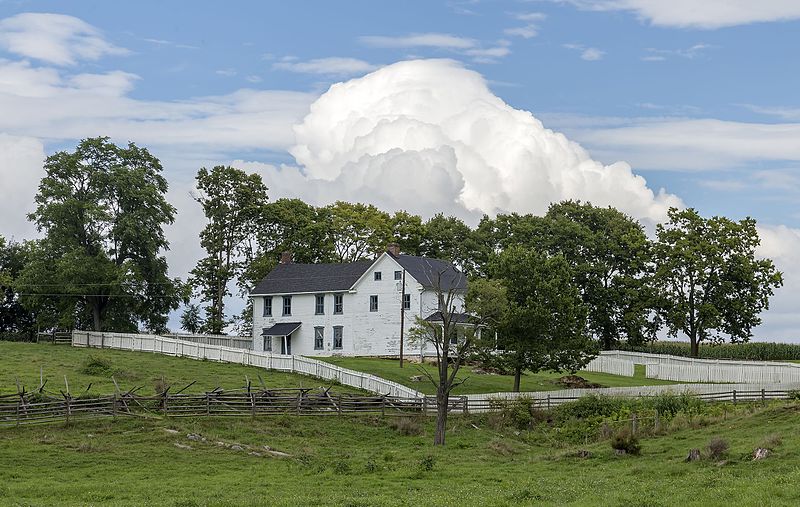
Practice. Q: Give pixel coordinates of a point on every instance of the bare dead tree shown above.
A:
(441, 332)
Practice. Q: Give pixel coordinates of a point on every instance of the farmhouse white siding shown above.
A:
(365, 331)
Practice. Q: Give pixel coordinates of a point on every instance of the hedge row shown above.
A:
(754, 351)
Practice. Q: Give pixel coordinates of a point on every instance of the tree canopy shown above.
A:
(102, 209)
(710, 282)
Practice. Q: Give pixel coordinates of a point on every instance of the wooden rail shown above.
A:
(27, 409)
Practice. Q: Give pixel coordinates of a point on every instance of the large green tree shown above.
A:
(102, 209)
(14, 317)
(232, 202)
(611, 258)
(358, 231)
(450, 239)
(544, 327)
(711, 283)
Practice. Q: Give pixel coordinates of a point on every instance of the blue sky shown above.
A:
(700, 98)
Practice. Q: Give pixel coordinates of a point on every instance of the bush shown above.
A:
(717, 448)
(97, 366)
(427, 463)
(626, 442)
(771, 441)
(407, 426)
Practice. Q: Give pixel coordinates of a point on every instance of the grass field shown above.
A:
(82, 367)
(365, 462)
(371, 460)
(544, 381)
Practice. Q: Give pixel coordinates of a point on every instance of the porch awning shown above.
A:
(456, 318)
(282, 329)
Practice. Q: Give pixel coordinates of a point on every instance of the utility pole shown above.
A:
(402, 315)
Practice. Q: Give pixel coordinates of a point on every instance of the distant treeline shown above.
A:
(752, 351)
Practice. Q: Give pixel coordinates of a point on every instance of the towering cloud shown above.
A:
(429, 135)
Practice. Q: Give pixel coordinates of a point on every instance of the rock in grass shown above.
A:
(694, 455)
(196, 437)
(760, 453)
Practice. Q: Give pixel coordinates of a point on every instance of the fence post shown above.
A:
(66, 402)
(18, 403)
(424, 404)
(465, 400)
(208, 404)
(548, 402)
(763, 397)
(114, 406)
(657, 423)
(383, 405)
(634, 424)
(734, 395)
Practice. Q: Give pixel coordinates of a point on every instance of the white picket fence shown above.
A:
(613, 365)
(235, 342)
(287, 363)
(770, 377)
(686, 369)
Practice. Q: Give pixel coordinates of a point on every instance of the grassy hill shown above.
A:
(82, 367)
(482, 383)
(373, 461)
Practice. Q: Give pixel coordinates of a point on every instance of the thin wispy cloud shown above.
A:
(333, 66)
(54, 38)
(419, 40)
(698, 14)
(587, 53)
(530, 28)
(690, 53)
(480, 53)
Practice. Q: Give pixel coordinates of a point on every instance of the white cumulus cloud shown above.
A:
(54, 38)
(430, 135)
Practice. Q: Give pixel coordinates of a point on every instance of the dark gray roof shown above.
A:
(282, 329)
(289, 278)
(433, 273)
(458, 318)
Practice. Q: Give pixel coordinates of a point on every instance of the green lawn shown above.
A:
(544, 381)
(23, 361)
(363, 461)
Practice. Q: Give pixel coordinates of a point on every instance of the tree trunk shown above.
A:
(96, 316)
(442, 400)
(695, 347)
(517, 378)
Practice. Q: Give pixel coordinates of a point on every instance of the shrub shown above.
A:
(520, 413)
(626, 442)
(427, 463)
(341, 466)
(97, 366)
(160, 385)
(717, 448)
(669, 404)
(771, 441)
(407, 426)
(793, 394)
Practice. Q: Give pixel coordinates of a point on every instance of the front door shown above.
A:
(286, 345)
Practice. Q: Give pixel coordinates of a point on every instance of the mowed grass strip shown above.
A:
(85, 366)
(482, 383)
(374, 461)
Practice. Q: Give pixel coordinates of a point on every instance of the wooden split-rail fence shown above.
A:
(33, 408)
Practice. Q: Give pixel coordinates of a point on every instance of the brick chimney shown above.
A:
(286, 257)
(394, 249)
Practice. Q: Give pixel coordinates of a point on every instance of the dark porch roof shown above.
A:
(282, 329)
(458, 318)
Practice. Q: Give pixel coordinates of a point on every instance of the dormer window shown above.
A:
(378, 275)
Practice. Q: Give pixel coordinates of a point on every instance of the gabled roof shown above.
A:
(293, 278)
(298, 278)
(432, 273)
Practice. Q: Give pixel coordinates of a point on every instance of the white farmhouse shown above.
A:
(351, 309)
